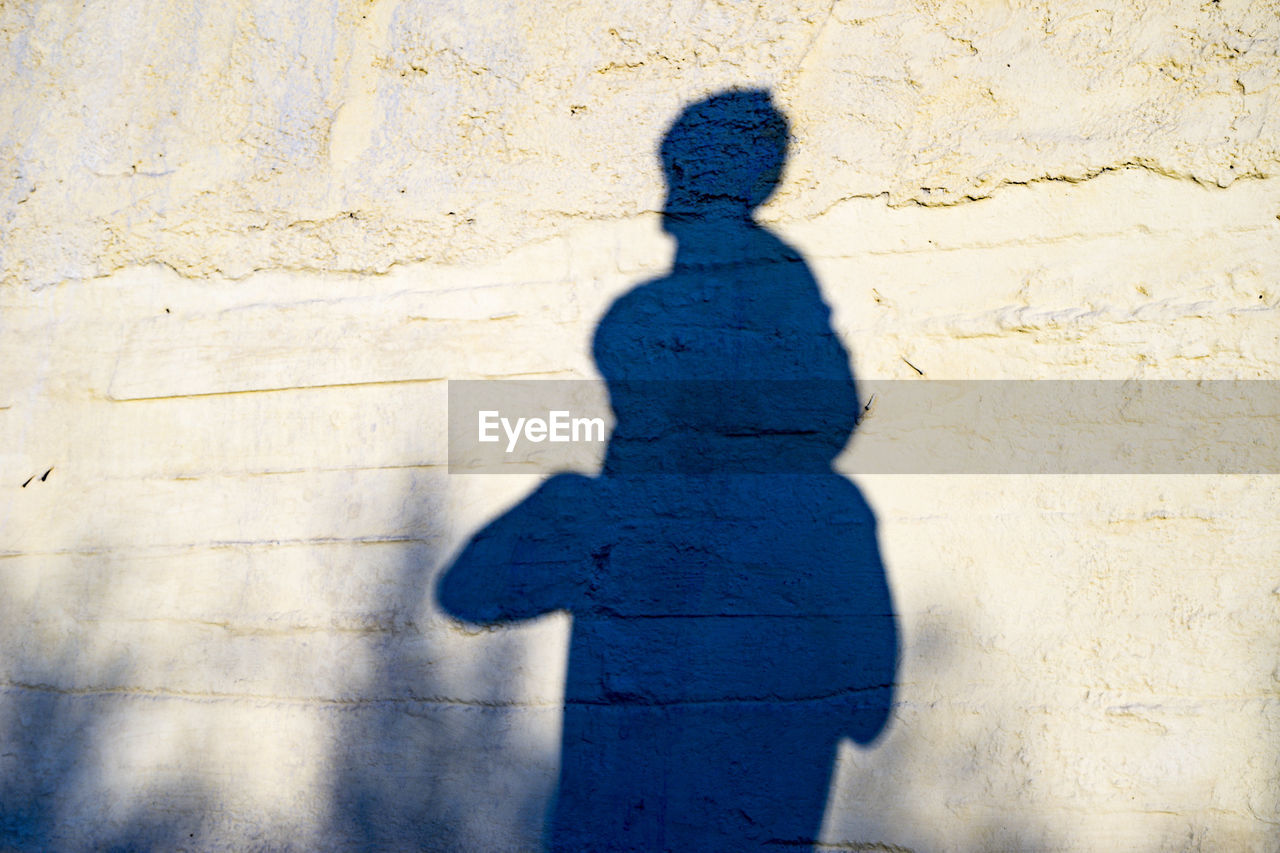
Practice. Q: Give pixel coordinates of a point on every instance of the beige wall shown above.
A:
(244, 244)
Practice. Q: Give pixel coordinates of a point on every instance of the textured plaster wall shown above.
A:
(243, 245)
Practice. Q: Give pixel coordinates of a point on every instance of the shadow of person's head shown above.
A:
(728, 363)
(722, 158)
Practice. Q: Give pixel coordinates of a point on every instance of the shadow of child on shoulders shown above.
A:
(732, 621)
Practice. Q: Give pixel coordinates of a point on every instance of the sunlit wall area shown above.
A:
(246, 246)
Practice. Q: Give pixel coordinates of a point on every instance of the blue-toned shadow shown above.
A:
(731, 618)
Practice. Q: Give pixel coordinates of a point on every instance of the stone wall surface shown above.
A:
(245, 245)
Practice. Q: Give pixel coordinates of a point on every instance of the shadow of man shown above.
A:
(731, 617)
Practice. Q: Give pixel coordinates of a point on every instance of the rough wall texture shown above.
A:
(243, 244)
(352, 136)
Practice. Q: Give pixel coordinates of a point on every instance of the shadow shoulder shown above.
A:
(564, 485)
(553, 499)
(844, 499)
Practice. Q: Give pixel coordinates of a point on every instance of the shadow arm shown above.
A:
(519, 567)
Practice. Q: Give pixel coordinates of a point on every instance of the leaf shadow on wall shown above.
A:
(731, 617)
(67, 768)
(412, 767)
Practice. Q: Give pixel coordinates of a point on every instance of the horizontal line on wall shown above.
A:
(225, 543)
(408, 701)
(269, 390)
